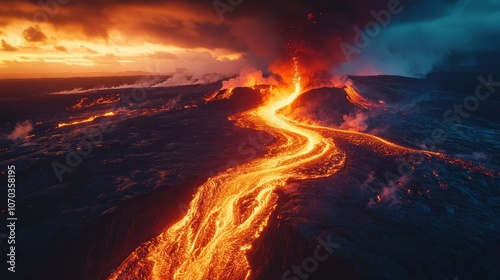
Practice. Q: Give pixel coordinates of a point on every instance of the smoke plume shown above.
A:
(21, 131)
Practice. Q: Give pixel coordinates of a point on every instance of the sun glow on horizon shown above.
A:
(108, 44)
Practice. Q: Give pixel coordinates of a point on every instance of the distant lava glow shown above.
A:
(90, 119)
(229, 212)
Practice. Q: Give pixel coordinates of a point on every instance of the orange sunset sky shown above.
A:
(62, 38)
(90, 38)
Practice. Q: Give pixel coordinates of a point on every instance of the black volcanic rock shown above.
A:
(327, 105)
(439, 222)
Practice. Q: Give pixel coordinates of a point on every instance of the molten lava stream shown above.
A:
(229, 211)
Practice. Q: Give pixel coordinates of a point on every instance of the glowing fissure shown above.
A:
(90, 119)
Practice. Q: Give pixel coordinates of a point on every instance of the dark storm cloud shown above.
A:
(424, 35)
(417, 11)
(188, 34)
(33, 34)
(473, 23)
(427, 36)
(196, 23)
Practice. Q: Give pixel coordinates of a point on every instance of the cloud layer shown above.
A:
(99, 36)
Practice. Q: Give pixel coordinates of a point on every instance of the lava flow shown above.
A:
(229, 211)
(90, 119)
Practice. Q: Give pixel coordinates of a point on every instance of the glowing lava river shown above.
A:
(229, 211)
